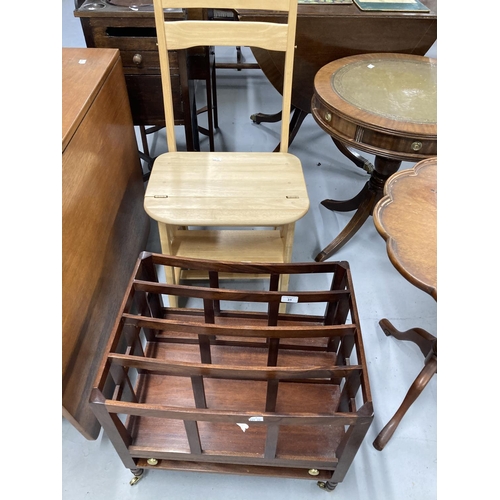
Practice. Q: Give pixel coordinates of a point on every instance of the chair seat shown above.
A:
(226, 189)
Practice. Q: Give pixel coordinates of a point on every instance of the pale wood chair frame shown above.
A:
(186, 168)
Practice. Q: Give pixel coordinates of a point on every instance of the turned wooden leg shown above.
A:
(423, 378)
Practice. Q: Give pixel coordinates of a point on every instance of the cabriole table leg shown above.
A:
(423, 378)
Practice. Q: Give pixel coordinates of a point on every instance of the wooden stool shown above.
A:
(384, 104)
(406, 218)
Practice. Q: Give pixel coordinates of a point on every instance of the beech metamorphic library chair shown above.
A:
(206, 202)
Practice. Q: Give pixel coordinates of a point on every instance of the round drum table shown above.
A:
(383, 104)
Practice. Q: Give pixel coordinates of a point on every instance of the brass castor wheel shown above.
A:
(135, 480)
(326, 485)
(138, 474)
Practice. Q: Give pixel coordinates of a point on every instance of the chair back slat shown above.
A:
(279, 5)
(181, 35)
(186, 34)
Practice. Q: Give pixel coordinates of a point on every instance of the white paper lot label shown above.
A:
(288, 298)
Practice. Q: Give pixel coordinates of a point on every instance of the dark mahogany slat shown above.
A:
(236, 295)
(219, 371)
(243, 330)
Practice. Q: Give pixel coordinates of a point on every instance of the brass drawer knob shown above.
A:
(313, 472)
(152, 461)
(137, 59)
(416, 146)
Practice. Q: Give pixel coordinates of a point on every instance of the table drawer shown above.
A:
(144, 61)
